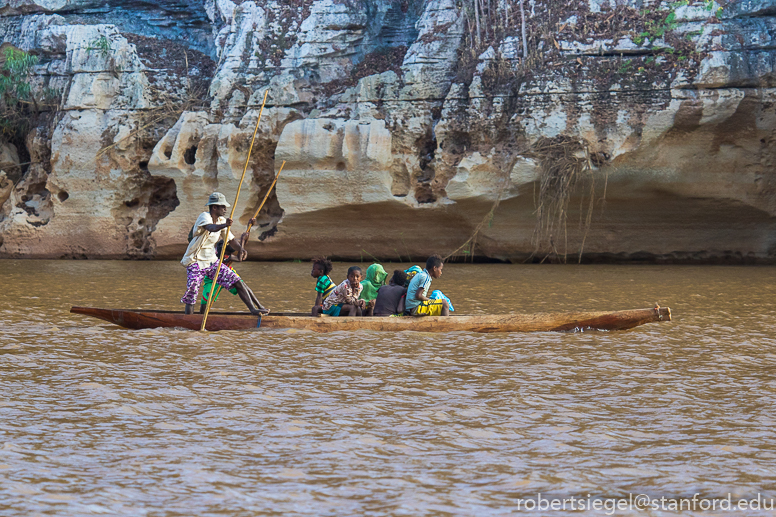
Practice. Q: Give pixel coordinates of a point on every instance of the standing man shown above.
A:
(201, 260)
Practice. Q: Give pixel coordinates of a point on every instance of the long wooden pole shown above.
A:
(248, 230)
(225, 231)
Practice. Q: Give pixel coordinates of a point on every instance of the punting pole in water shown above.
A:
(248, 230)
(225, 231)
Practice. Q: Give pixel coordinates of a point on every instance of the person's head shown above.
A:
(434, 266)
(376, 274)
(217, 205)
(354, 275)
(399, 278)
(321, 266)
(227, 254)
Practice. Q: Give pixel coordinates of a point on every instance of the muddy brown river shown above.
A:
(99, 420)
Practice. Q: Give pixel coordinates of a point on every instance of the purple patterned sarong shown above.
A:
(227, 278)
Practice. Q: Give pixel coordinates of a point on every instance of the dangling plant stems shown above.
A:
(477, 20)
(525, 34)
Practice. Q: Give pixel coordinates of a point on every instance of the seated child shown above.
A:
(324, 286)
(343, 300)
(418, 303)
(411, 272)
(390, 298)
(239, 288)
(375, 278)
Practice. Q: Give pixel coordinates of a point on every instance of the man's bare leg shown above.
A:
(255, 300)
(242, 292)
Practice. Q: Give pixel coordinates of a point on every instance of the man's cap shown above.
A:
(216, 198)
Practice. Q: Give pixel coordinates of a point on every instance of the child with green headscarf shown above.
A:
(375, 278)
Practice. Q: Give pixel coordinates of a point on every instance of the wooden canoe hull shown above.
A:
(539, 322)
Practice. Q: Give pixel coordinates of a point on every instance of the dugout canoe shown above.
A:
(538, 322)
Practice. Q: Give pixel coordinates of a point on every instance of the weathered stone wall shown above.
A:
(404, 132)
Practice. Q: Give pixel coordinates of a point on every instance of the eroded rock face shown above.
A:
(403, 128)
(334, 162)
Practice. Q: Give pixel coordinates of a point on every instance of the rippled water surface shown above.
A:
(95, 419)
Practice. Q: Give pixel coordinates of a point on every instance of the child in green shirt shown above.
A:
(324, 286)
(208, 282)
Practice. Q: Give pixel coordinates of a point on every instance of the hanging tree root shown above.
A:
(469, 246)
(564, 162)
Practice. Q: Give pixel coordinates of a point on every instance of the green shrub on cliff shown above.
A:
(17, 101)
(657, 29)
(101, 45)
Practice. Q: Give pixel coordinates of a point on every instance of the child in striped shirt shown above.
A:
(324, 286)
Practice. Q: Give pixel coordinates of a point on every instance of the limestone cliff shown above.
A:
(508, 129)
